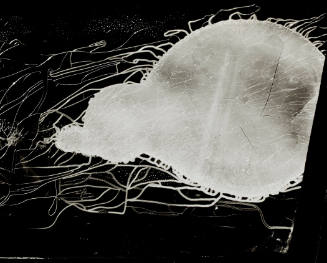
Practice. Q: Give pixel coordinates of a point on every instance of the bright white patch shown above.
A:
(230, 106)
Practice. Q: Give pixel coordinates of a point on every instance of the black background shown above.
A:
(52, 27)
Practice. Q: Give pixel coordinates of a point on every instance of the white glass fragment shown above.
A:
(230, 107)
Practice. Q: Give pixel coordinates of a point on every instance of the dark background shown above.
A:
(52, 27)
